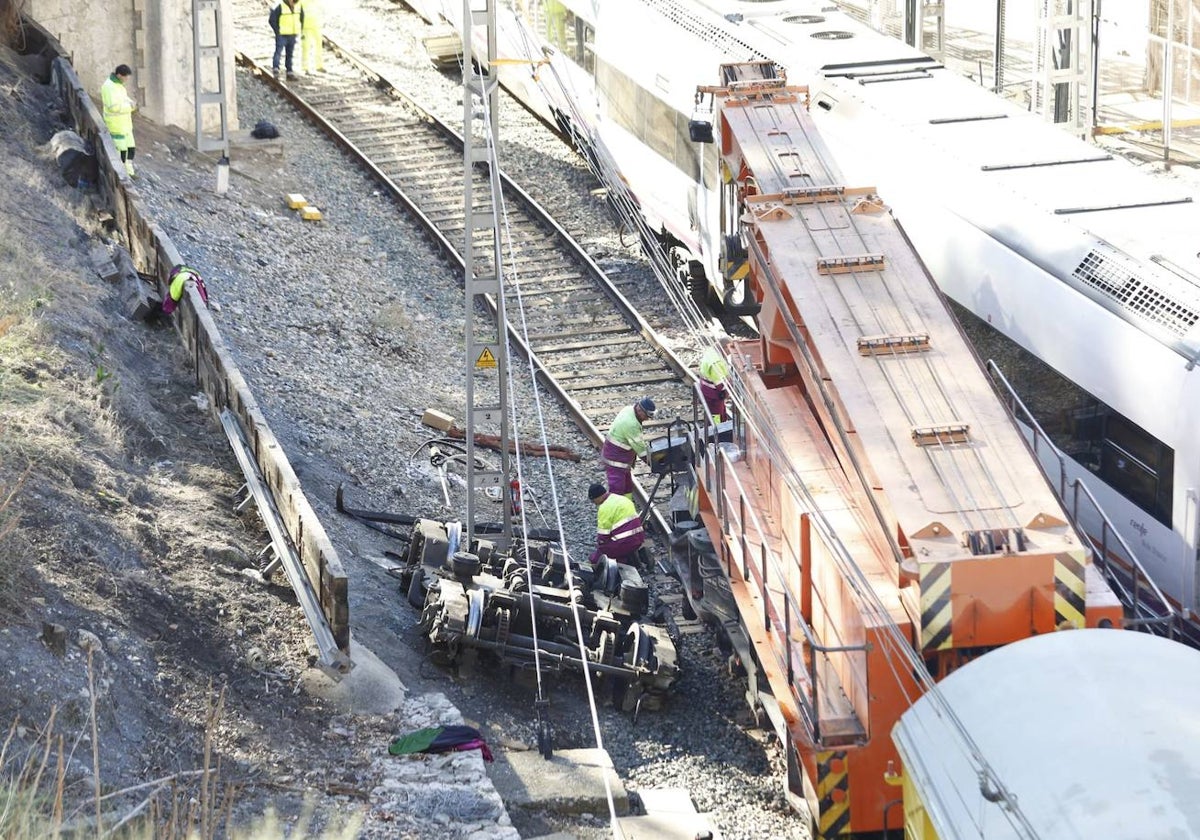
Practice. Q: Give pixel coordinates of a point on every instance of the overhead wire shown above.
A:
(624, 203)
(500, 212)
(855, 577)
(901, 649)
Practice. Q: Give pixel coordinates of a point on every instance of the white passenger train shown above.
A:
(1074, 255)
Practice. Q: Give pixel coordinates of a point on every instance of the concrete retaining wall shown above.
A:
(154, 253)
(154, 37)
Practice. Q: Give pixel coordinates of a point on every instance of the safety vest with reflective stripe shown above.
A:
(626, 433)
(118, 108)
(713, 366)
(619, 531)
(289, 19)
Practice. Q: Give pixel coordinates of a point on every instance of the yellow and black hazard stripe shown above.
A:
(937, 614)
(1070, 591)
(736, 268)
(833, 793)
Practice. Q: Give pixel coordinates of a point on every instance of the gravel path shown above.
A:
(348, 329)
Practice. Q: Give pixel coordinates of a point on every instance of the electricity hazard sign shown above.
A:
(487, 359)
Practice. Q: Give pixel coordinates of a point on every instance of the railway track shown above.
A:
(589, 345)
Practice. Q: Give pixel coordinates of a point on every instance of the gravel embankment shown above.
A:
(349, 328)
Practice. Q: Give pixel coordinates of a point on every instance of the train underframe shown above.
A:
(517, 607)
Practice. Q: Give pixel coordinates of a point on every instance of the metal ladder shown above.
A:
(209, 60)
(487, 354)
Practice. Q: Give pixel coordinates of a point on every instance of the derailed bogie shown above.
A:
(519, 608)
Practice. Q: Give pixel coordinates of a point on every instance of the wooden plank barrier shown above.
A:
(216, 373)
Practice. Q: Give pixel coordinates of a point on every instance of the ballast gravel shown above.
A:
(347, 330)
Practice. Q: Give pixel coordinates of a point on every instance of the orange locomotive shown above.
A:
(881, 520)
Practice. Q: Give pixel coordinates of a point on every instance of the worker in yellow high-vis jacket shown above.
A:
(287, 21)
(118, 108)
(310, 43)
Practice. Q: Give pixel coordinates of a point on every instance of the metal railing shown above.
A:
(782, 615)
(1132, 592)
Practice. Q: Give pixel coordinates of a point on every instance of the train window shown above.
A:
(622, 99)
(649, 119)
(687, 153)
(586, 37)
(554, 20)
(660, 126)
(709, 156)
(1122, 454)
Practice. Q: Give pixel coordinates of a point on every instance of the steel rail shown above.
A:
(637, 339)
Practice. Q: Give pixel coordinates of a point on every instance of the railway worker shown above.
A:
(624, 444)
(118, 114)
(713, 372)
(287, 22)
(619, 534)
(310, 37)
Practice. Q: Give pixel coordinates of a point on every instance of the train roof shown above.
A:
(1121, 236)
(1093, 731)
(943, 447)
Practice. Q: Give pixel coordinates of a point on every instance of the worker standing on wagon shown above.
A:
(310, 43)
(118, 114)
(713, 372)
(625, 444)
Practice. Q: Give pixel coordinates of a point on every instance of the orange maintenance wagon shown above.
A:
(879, 517)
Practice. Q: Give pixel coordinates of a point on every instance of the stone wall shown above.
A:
(154, 37)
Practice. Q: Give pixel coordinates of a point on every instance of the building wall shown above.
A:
(154, 37)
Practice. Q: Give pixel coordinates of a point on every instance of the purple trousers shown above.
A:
(714, 398)
(619, 479)
(620, 548)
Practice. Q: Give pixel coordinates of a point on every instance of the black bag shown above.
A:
(264, 130)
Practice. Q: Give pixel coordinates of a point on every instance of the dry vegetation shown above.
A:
(130, 704)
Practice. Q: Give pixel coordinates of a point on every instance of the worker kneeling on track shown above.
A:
(619, 536)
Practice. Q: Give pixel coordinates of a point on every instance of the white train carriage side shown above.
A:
(1076, 256)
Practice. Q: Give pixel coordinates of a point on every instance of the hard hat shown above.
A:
(647, 406)
(596, 491)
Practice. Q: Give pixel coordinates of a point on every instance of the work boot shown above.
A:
(129, 169)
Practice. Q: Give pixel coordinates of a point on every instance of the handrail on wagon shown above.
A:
(1137, 572)
(746, 522)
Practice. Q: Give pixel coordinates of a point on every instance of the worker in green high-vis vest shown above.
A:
(118, 108)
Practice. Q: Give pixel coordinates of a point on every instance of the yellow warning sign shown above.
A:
(486, 359)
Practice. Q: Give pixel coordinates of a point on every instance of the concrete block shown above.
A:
(242, 140)
(141, 301)
(295, 201)
(667, 800)
(435, 419)
(310, 214)
(443, 45)
(572, 782)
(670, 815)
(102, 261)
(667, 827)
